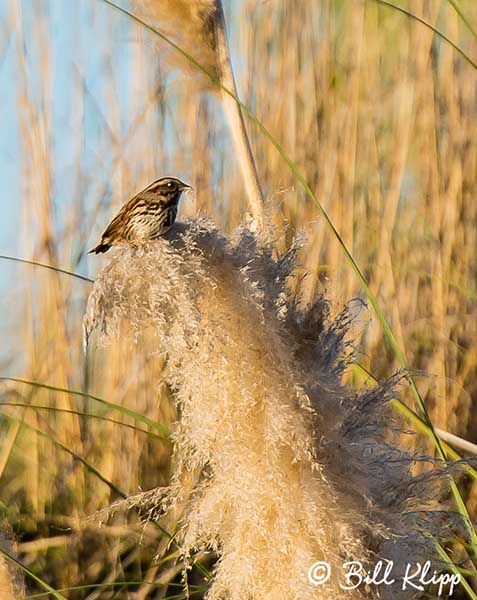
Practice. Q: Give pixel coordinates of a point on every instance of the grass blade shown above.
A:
(452, 567)
(419, 423)
(26, 570)
(429, 26)
(44, 266)
(76, 456)
(114, 584)
(164, 431)
(81, 414)
(464, 19)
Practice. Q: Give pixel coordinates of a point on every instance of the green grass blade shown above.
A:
(76, 456)
(200, 567)
(26, 570)
(452, 567)
(429, 26)
(81, 414)
(419, 423)
(164, 431)
(464, 19)
(461, 506)
(114, 584)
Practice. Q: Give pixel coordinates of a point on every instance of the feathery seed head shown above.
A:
(192, 24)
(277, 464)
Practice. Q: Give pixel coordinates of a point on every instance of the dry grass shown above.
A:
(11, 580)
(6, 586)
(381, 118)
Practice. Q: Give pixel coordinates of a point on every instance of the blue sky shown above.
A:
(80, 37)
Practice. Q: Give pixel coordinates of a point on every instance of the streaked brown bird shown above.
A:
(147, 216)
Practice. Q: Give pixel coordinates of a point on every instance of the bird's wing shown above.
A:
(116, 224)
(119, 219)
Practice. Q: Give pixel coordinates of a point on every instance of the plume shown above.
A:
(277, 464)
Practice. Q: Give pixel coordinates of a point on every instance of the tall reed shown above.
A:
(199, 29)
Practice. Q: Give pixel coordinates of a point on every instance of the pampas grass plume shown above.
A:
(192, 24)
(290, 467)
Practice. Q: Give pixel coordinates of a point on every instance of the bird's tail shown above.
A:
(100, 248)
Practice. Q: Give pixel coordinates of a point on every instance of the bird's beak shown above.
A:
(185, 187)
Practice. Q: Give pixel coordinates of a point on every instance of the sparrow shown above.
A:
(146, 216)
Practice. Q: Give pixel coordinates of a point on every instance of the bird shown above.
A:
(146, 216)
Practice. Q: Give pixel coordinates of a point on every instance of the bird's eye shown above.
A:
(169, 184)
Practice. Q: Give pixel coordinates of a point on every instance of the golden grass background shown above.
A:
(380, 116)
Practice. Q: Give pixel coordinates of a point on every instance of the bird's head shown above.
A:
(168, 186)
